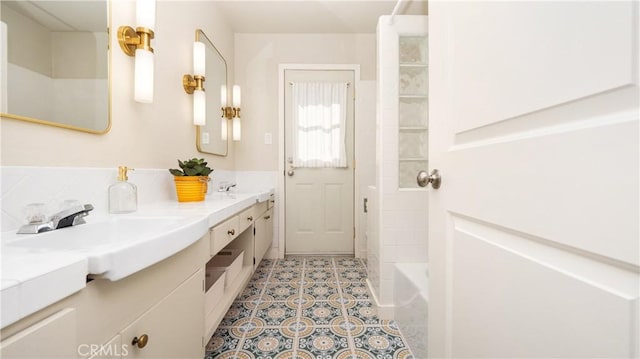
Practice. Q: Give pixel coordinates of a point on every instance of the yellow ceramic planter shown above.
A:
(191, 188)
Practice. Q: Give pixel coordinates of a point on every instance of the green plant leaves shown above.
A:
(192, 167)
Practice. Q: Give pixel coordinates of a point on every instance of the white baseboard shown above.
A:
(385, 312)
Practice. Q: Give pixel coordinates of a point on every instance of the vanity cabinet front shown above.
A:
(167, 310)
(254, 231)
(263, 234)
(154, 313)
(36, 340)
(170, 329)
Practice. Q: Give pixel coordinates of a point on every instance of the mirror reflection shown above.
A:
(210, 137)
(54, 64)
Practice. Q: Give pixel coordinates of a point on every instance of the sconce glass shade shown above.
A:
(223, 96)
(146, 13)
(199, 108)
(143, 82)
(223, 129)
(236, 96)
(237, 130)
(199, 63)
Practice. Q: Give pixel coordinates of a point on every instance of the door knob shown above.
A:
(434, 178)
(290, 173)
(140, 342)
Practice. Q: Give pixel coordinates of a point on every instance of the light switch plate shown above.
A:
(204, 138)
(268, 139)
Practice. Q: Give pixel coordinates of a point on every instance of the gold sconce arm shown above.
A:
(227, 112)
(130, 39)
(193, 83)
(230, 112)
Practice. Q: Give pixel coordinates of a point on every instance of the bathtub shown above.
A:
(410, 296)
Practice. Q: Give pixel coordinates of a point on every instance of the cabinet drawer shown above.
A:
(53, 337)
(224, 233)
(246, 218)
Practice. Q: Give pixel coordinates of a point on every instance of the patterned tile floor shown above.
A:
(306, 308)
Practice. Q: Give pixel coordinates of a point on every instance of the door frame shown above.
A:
(281, 156)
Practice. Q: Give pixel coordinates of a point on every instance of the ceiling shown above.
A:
(244, 16)
(312, 16)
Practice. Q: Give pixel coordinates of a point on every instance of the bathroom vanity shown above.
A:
(162, 310)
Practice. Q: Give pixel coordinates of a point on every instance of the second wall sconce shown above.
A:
(229, 113)
(137, 42)
(195, 84)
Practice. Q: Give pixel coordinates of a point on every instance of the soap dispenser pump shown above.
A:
(123, 195)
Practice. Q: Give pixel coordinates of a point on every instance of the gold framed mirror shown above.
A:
(210, 137)
(55, 66)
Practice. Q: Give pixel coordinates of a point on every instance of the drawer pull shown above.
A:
(231, 232)
(267, 217)
(250, 218)
(140, 342)
(273, 201)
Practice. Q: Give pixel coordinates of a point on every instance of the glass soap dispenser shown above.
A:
(123, 195)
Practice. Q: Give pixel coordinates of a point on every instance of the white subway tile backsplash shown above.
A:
(53, 185)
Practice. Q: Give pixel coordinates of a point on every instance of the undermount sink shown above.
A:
(120, 246)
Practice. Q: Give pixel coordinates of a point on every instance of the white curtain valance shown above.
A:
(319, 124)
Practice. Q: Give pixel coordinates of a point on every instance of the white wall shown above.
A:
(142, 135)
(257, 58)
(401, 233)
(365, 143)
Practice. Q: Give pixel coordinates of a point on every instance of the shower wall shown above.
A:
(400, 228)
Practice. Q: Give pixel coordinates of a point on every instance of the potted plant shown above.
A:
(191, 179)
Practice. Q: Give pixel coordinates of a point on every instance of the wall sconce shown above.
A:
(138, 43)
(195, 84)
(231, 112)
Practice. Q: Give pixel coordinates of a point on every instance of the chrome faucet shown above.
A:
(72, 216)
(226, 187)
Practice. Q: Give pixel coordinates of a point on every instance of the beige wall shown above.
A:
(142, 135)
(257, 57)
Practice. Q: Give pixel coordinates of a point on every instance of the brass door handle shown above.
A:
(140, 342)
(250, 218)
(267, 217)
(231, 232)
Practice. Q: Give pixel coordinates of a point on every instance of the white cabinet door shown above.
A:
(534, 247)
(173, 327)
(53, 337)
(113, 349)
(263, 234)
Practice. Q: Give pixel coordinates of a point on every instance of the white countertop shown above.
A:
(41, 269)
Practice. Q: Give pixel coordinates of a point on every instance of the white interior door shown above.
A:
(534, 232)
(318, 201)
